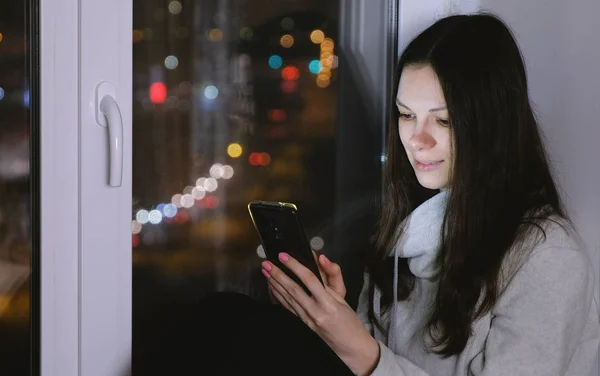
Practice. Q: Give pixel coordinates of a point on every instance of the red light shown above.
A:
(265, 159)
(212, 202)
(158, 92)
(135, 240)
(277, 116)
(290, 73)
(259, 159)
(182, 217)
(255, 159)
(289, 86)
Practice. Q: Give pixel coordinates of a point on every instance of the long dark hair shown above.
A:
(502, 187)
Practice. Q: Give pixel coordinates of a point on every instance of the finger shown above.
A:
(321, 271)
(308, 278)
(290, 303)
(339, 298)
(335, 279)
(280, 299)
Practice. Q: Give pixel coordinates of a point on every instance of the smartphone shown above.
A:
(279, 228)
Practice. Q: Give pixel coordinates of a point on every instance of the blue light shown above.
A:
(26, 98)
(275, 61)
(160, 207)
(170, 210)
(211, 92)
(1, 93)
(315, 66)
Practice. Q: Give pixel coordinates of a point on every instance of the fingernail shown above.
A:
(284, 257)
(266, 266)
(327, 261)
(266, 273)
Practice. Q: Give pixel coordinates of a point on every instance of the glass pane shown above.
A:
(233, 101)
(16, 131)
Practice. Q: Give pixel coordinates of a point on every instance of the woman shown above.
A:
(476, 269)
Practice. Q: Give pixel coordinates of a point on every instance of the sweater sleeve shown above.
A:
(389, 363)
(544, 323)
(545, 316)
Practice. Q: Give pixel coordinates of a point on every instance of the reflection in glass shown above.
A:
(233, 101)
(15, 197)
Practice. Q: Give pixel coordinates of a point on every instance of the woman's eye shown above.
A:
(443, 122)
(404, 116)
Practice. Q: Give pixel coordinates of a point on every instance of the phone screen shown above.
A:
(280, 230)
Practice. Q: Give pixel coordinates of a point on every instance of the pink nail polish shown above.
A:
(284, 257)
(266, 266)
(327, 261)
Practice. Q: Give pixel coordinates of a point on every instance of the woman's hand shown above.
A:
(331, 274)
(326, 312)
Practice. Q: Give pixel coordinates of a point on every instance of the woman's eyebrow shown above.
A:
(432, 110)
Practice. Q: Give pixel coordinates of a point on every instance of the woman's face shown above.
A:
(423, 126)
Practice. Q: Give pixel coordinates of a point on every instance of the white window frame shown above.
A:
(85, 225)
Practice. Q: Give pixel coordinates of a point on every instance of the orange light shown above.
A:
(277, 115)
(287, 41)
(158, 92)
(137, 36)
(215, 35)
(290, 73)
(317, 36)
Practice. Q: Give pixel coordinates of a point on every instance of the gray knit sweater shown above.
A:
(545, 322)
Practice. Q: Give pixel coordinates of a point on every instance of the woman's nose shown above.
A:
(421, 140)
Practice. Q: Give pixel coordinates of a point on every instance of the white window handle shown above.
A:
(109, 114)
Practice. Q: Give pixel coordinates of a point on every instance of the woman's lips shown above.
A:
(427, 166)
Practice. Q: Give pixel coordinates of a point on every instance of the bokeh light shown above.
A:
(211, 92)
(275, 61)
(142, 216)
(215, 35)
(287, 41)
(315, 66)
(260, 252)
(154, 217)
(171, 62)
(317, 36)
(277, 115)
(327, 45)
(234, 150)
(170, 211)
(211, 184)
(158, 92)
(176, 200)
(317, 243)
(136, 227)
(246, 33)
(259, 159)
(175, 7)
(216, 171)
(227, 172)
(290, 73)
